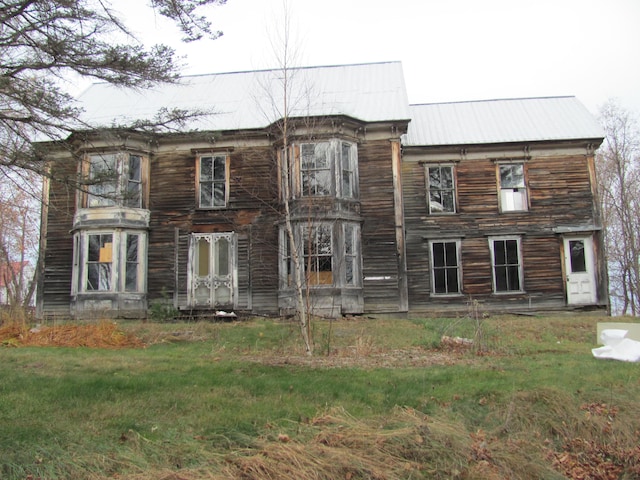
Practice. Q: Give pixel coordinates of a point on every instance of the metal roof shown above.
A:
(501, 121)
(254, 99)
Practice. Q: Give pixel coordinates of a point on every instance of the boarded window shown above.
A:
(99, 262)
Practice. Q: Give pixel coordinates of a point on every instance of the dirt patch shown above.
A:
(351, 358)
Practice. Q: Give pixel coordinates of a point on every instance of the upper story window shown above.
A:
(315, 169)
(506, 262)
(115, 179)
(213, 181)
(441, 188)
(327, 168)
(513, 189)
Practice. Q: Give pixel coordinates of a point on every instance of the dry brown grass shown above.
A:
(104, 334)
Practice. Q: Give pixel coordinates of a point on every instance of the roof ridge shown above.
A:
(492, 100)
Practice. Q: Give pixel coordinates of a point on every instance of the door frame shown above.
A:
(588, 275)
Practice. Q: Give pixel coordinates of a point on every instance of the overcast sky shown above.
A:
(451, 50)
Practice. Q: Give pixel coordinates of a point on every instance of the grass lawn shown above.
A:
(378, 399)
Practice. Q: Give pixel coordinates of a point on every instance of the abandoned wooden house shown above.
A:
(392, 208)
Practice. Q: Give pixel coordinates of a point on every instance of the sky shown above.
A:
(451, 50)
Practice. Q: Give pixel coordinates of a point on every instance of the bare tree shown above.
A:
(19, 215)
(42, 42)
(618, 169)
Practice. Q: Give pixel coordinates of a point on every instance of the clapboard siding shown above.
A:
(560, 194)
(379, 258)
(58, 254)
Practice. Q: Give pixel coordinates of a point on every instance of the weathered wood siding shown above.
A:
(58, 255)
(379, 257)
(560, 194)
(249, 213)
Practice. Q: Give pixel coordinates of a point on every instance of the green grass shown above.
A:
(200, 392)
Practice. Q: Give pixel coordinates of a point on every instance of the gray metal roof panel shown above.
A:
(244, 100)
(501, 121)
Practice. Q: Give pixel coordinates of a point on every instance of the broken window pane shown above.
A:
(578, 260)
(441, 189)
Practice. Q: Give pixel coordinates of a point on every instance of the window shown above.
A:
(349, 170)
(513, 191)
(315, 169)
(318, 257)
(441, 189)
(329, 254)
(115, 179)
(109, 262)
(324, 169)
(213, 181)
(99, 262)
(506, 262)
(445, 267)
(351, 257)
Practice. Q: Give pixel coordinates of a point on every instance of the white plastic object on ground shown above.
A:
(617, 347)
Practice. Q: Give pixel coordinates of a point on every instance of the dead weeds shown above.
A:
(103, 334)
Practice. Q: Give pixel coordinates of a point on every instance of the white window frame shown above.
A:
(318, 165)
(508, 265)
(212, 182)
(119, 262)
(452, 189)
(118, 188)
(340, 247)
(355, 255)
(339, 169)
(512, 197)
(457, 267)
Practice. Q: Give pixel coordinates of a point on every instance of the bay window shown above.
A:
(329, 254)
(323, 169)
(114, 179)
(109, 261)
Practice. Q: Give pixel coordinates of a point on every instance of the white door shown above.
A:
(580, 268)
(212, 272)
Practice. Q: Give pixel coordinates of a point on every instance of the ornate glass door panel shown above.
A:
(212, 266)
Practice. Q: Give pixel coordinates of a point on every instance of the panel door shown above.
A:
(580, 270)
(212, 279)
